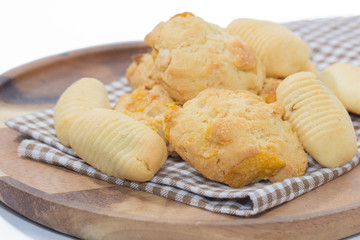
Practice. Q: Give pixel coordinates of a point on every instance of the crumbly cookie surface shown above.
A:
(139, 73)
(191, 55)
(235, 137)
(147, 106)
(268, 91)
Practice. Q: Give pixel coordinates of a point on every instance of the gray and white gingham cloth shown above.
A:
(331, 40)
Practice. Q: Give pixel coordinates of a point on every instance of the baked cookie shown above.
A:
(235, 137)
(139, 73)
(191, 55)
(147, 106)
(117, 144)
(268, 91)
(344, 80)
(82, 96)
(280, 50)
(310, 67)
(318, 117)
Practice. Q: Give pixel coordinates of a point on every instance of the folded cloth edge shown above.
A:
(259, 200)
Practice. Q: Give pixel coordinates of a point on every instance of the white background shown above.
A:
(30, 30)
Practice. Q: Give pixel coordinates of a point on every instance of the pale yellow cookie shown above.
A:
(139, 73)
(344, 80)
(281, 51)
(191, 55)
(147, 106)
(117, 144)
(268, 91)
(319, 118)
(82, 96)
(235, 137)
(310, 67)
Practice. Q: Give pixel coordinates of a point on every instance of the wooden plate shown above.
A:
(88, 208)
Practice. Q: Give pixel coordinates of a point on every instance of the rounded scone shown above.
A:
(147, 106)
(344, 80)
(81, 96)
(319, 118)
(139, 73)
(191, 55)
(235, 137)
(117, 145)
(281, 51)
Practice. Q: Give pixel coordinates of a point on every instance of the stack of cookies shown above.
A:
(240, 105)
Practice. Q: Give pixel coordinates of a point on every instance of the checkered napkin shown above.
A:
(331, 40)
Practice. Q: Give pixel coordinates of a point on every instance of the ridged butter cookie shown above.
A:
(191, 55)
(344, 80)
(117, 144)
(82, 96)
(147, 106)
(319, 118)
(235, 137)
(281, 51)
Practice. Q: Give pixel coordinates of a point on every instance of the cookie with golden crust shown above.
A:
(235, 137)
(147, 106)
(139, 73)
(268, 91)
(191, 55)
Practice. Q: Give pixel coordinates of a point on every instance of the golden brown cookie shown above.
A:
(235, 137)
(82, 96)
(147, 106)
(191, 55)
(139, 73)
(281, 51)
(268, 91)
(344, 80)
(117, 145)
(318, 117)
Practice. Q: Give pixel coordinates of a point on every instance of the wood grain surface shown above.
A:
(88, 208)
